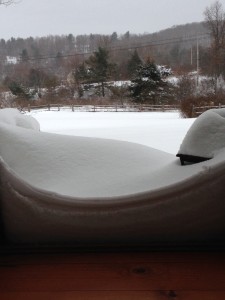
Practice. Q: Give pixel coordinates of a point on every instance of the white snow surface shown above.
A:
(79, 166)
(64, 188)
(160, 130)
(13, 117)
(206, 135)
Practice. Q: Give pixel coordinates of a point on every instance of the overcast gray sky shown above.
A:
(44, 17)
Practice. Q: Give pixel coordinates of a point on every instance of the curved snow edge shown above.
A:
(158, 216)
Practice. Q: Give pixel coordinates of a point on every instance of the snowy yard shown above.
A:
(87, 154)
(100, 176)
(164, 131)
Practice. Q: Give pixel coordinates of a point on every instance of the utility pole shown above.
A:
(197, 62)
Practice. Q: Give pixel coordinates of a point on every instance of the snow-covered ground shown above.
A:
(107, 154)
(160, 130)
(93, 154)
(62, 188)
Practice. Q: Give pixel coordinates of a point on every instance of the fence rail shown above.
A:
(198, 110)
(102, 108)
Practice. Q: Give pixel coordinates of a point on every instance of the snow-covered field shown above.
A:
(161, 130)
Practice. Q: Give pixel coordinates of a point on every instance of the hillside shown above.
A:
(46, 62)
(181, 35)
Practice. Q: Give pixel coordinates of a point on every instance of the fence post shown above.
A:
(28, 108)
(72, 108)
(192, 111)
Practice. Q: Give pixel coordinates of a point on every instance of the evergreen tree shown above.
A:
(114, 37)
(81, 76)
(99, 68)
(145, 85)
(16, 88)
(133, 64)
(20, 91)
(70, 41)
(24, 55)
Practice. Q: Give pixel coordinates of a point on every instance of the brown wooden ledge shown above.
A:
(113, 275)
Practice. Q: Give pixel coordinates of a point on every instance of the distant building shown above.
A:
(11, 60)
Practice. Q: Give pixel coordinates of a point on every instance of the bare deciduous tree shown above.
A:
(215, 21)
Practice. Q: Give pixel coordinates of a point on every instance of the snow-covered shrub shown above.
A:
(6, 99)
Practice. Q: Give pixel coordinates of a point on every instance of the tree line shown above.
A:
(78, 65)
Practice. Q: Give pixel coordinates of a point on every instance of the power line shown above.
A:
(164, 42)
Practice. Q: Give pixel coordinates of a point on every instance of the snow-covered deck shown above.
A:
(57, 189)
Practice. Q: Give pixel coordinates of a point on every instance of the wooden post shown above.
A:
(192, 111)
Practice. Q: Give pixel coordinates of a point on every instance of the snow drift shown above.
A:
(206, 135)
(57, 189)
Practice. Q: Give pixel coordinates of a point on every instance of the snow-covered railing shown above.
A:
(104, 108)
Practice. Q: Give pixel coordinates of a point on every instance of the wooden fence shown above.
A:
(198, 110)
(102, 108)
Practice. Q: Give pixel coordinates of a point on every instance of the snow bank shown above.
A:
(74, 189)
(77, 166)
(206, 135)
(12, 116)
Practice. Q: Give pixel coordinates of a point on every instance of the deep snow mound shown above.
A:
(76, 166)
(87, 190)
(12, 116)
(206, 135)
